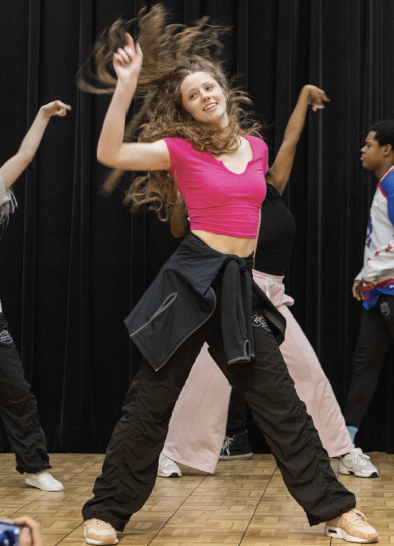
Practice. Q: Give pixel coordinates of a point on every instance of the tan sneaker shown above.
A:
(97, 531)
(353, 527)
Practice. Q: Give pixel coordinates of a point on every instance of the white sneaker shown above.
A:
(97, 531)
(168, 468)
(357, 463)
(44, 481)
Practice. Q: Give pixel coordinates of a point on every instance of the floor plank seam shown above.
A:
(257, 505)
(69, 533)
(82, 471)
(28, 504)
(180, 506)
(7, 477)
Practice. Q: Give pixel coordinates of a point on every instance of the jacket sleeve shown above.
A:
(381, 259)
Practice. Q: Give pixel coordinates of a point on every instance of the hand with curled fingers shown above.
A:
(316, 97)
(30, 535)
(128, 60)
(357, 290)
(55, 108)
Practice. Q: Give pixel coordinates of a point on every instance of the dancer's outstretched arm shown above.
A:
(15, 166)
(279, 173)
(111, 150)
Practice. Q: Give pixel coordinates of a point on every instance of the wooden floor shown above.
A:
(245, 502)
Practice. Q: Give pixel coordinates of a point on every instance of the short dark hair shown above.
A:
(384, 132)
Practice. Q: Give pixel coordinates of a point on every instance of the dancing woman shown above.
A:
(198, 423)
(193, 139)
(18, 406)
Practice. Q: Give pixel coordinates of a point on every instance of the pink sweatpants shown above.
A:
(198, 423)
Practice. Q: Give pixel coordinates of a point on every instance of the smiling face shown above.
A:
(204, 99)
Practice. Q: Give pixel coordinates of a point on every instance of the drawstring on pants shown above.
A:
(269, 281)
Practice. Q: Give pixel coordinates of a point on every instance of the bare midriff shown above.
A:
(225, 244)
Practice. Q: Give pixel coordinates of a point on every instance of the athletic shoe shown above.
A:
(168, 468)
(97, 531)
(236, 447)
(353, 527)
(44, 481)
(357, 463)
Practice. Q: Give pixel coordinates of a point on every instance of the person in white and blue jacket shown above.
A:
(18, 406)
(374, 285)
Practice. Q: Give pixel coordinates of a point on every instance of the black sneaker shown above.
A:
(236, 447)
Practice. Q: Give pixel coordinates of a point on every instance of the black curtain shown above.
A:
(73, 263)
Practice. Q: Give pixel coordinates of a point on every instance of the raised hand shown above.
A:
(55, 108)
(128, 60)
(316, 97)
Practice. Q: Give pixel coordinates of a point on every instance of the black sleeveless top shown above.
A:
(276, 236)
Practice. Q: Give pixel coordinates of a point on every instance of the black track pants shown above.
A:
(131, 462)
(375, 337)
(236, 417)
(18, 409)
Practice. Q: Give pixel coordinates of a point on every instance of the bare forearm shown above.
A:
(297, 119)
(33, 137)
(112, 133)
(279, 173)
(15, 166)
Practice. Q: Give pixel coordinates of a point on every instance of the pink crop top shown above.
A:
(219, 200)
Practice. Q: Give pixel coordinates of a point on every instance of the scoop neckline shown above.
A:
(246, 166)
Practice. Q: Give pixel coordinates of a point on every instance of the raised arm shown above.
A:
(111, 150)
(15, 166)
(279, 173)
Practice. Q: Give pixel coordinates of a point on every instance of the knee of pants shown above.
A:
(16, 391)
(151, 398)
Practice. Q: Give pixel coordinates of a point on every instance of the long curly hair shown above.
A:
(171, 52)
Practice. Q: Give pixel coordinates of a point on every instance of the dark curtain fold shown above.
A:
(77, 412)
(29, 239)
(73, 262)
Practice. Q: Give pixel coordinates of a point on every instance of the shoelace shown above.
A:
(166, 461)
(361, 459)
(100, 524)
(226, 445)
(269, 281)
(356, 518)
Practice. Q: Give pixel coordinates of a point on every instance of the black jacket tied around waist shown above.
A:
(181, 299)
